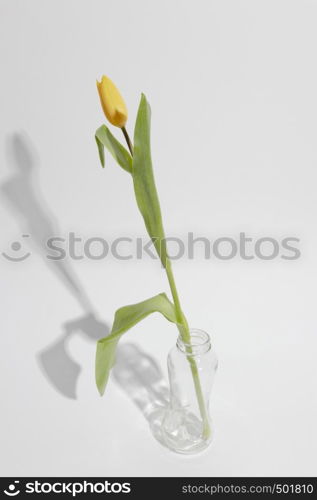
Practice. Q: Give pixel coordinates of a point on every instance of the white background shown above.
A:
(232, 85)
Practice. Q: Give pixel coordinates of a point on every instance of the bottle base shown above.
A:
(179, 431)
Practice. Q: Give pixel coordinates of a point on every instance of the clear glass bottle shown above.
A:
(191, 369)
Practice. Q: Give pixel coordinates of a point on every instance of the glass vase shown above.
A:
(186, 427)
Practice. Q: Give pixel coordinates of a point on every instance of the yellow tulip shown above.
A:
(112, 103)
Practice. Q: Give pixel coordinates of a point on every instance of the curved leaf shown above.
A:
(143, 179)
(125, 318)
(104, 138)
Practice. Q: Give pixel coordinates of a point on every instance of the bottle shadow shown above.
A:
(22, 195)
(139, 375)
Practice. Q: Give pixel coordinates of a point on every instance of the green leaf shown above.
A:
(104, 138)
(143, 179)
(125, 318)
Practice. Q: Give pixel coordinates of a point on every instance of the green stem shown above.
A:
(185, 335)
(128, 140)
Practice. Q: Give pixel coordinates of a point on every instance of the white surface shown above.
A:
(233, 92)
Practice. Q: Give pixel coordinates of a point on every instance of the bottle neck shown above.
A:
(199, 343)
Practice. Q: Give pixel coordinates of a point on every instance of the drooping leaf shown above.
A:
(125, 318)
(143, 180)
(104, 138)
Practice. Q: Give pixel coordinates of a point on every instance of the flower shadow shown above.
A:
(22, 195)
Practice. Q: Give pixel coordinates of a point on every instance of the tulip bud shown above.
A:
(112, 103)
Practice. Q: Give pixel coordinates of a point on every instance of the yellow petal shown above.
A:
(112, 103)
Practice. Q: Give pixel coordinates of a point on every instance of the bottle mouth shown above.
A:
(199, 343)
